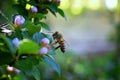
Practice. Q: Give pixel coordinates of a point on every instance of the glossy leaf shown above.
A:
(52, 12)
(52, 51)
(26, 64)
(49, 37)
(9, 44)
(39, 15)
(53, 7)
(36, 73)
(20, 76)
(61, 13)
(37, 37)
(28, 47)
(31, 28)
(53, 64)
(43, 25)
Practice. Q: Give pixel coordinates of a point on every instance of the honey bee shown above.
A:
(59, 40)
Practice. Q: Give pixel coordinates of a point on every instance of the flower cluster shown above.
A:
(11, 69)
(27, 44)
(46, 47)
(45, 43)
(20, 20)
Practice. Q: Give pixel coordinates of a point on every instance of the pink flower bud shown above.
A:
(48, 47)
(45, 41)
(19, 20)
(17, 71)
(10, 69)
(34, 9)
(16, 42)
(43, 51)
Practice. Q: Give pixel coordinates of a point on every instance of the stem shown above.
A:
(32, 20)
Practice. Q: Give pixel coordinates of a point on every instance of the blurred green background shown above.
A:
(92, 37)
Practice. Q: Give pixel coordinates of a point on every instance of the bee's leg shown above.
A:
(56, 42)
(53, 44)
(57, 47)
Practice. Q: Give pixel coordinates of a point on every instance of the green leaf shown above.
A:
(31, 28)
(9, 44)
(53, 64)
(25, 34)
(20, 76)
(52, 12)
(17, 32)
(20, 9)
(6, 58)
(61, 13)
(45, 26)
(36, 73)
(37, 37)
(26, 65)
(28, 47)
(53, 7)
(39, 15)
(49, 37)
(52, 51)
